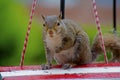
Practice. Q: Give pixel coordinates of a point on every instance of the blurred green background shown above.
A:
(14, 17)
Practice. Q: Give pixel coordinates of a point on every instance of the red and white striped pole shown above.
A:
(99, 29)
(27, 34)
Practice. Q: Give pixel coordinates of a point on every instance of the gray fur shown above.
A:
(68, 45)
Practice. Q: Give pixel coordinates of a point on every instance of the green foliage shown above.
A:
(13, 26)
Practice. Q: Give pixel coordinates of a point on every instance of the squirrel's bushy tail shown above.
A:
(112, 44)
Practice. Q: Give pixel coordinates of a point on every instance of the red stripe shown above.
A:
(102, 45)
(24, 51)
(11, 68)
(96, 16)
(34, 5)
(27, 34)
(30, 18)
(33, 11)
(98, 29)
(100, 34)
(29, 28)
(25, 44)
(67, 76)
(95, 11)
(94, 4)
(30, 22)
(26, 39)
(97, 23)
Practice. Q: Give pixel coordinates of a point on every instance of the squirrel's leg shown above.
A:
(116, 56)
(68, 66)
(64, 59)
(49, 59)
(77, 48)
(67, 42)
(113, 60)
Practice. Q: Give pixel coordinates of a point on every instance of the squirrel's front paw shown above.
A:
(45, 66)
(66, 66)
(58, 49)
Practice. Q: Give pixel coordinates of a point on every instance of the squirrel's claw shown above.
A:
(58, 49)
(66, 66)
(45, 66)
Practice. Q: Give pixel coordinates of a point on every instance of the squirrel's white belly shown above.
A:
(56, 41)
(53, 42)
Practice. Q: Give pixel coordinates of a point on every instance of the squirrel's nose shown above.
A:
(50, 32)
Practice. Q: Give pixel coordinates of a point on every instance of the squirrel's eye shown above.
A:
(58, 24)
(44, 25)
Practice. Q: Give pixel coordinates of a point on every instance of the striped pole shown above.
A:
(27, 34)
(99, 29)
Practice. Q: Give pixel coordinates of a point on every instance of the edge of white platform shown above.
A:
(57, 71)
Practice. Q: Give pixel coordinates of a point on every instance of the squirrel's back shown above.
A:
(74, 29)
(71, 26)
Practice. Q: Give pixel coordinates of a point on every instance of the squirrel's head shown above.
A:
(52, 25)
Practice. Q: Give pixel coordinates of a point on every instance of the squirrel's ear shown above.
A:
(43, 17)
(60, 16)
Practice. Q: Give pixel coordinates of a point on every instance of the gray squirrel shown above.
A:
(65, 42)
